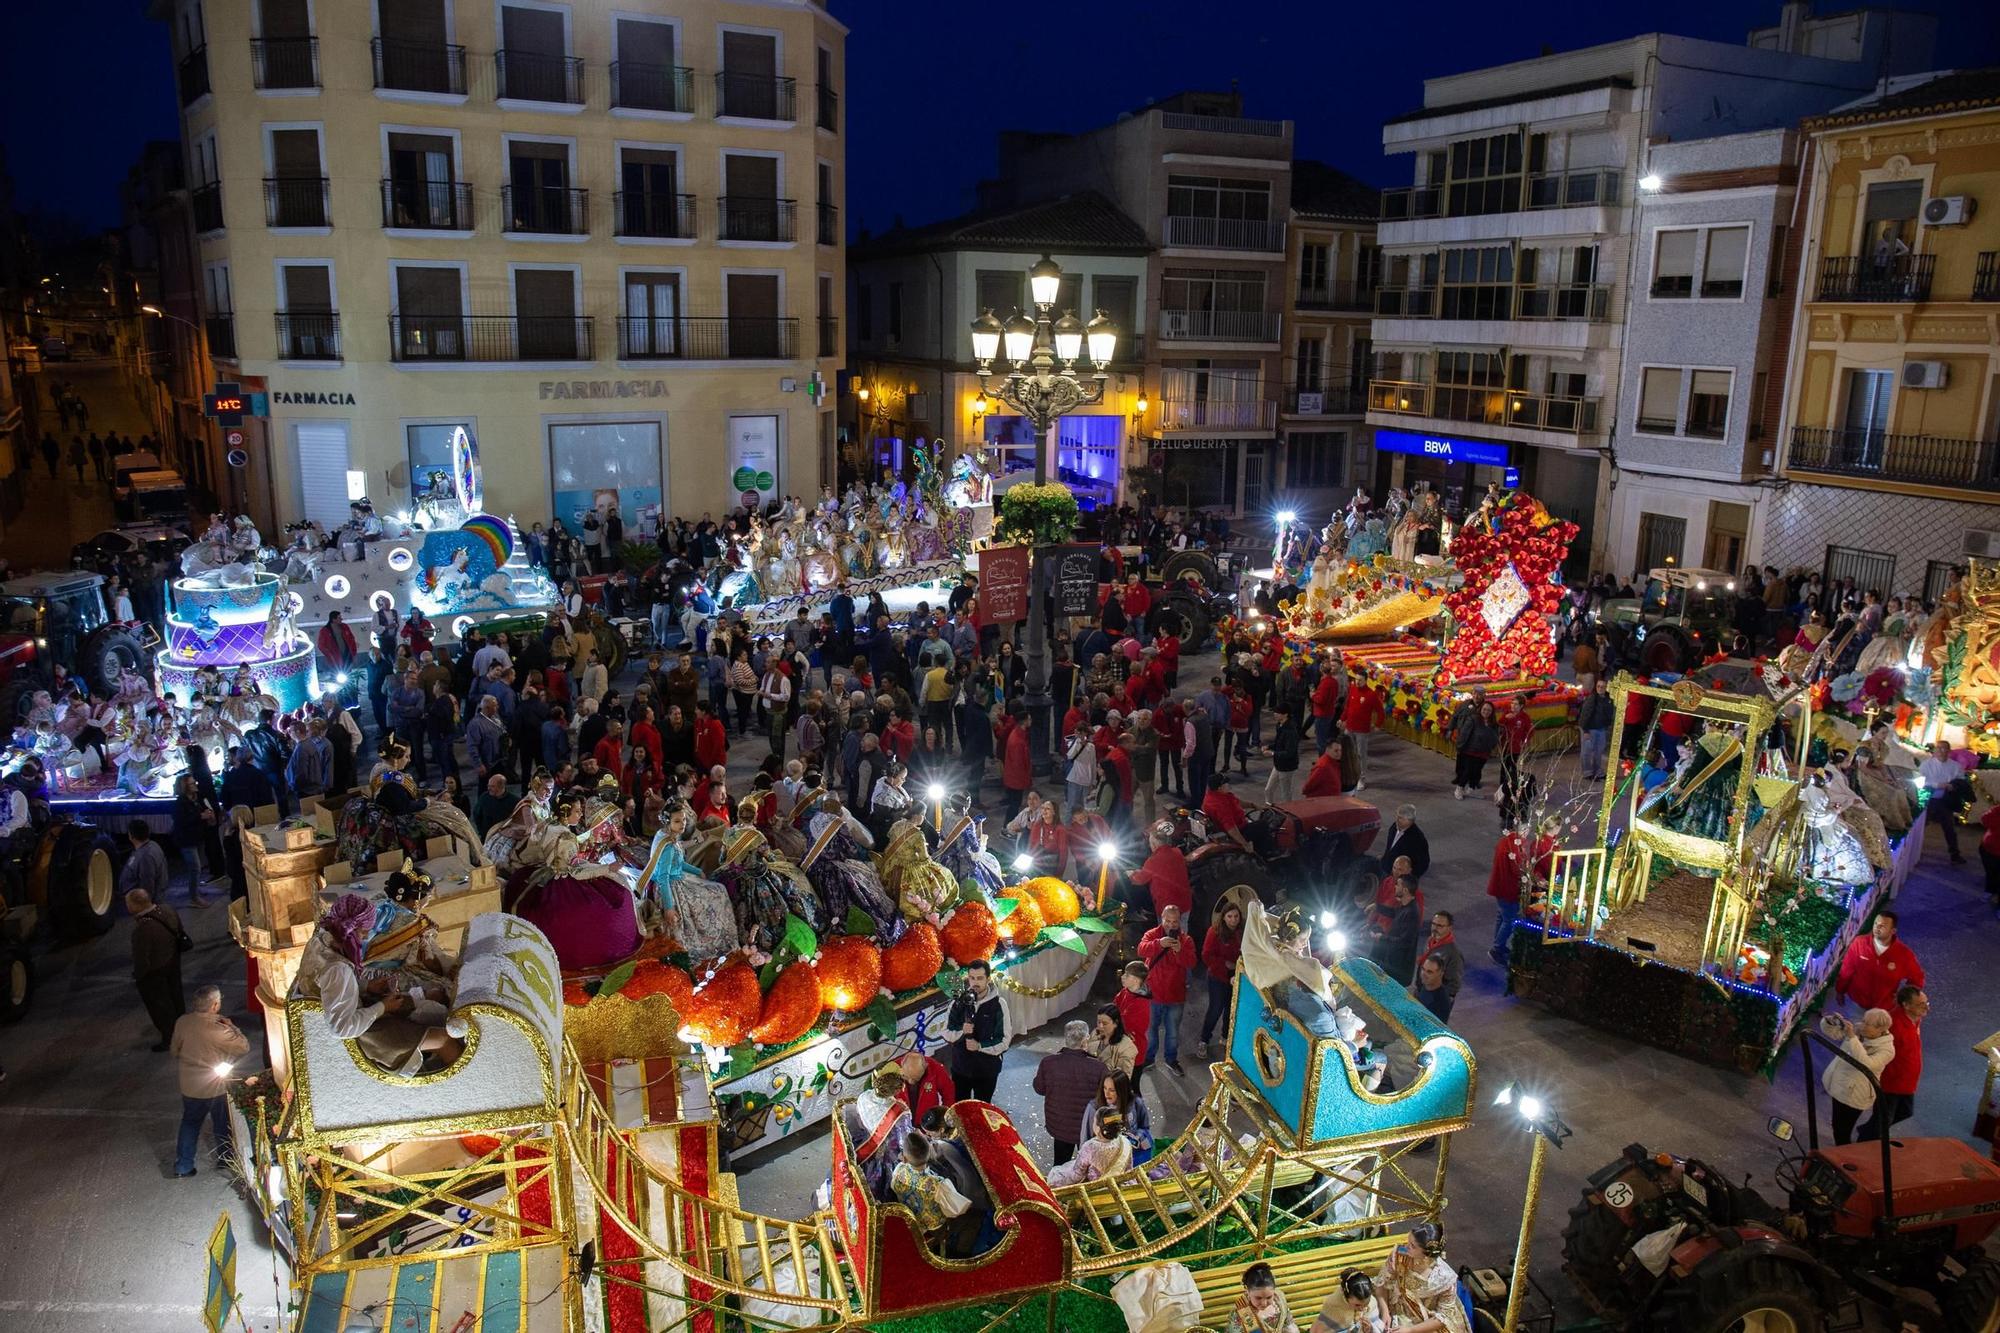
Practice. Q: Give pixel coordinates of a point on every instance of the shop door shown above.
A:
(1255, 462)
(322, 453)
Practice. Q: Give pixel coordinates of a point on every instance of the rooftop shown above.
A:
(1924, 95)
(1508, 99)
(1321, 191)
(1081, 223)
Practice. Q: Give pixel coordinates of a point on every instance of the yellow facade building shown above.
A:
(1892, 412)
(603, 236)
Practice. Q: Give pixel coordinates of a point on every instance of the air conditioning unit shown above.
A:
(1926, 374)
(1949, 210)
(1984, 542)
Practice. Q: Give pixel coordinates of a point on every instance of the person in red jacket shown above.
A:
(1137, 603)
(900, 738)
(1170, 735)
(1087, 832)
(1227, 813)
(1220, 950)
(1875, 965)
(1324, 780)
(1169, 954)
(1017, 770)
(1135, 1011)
(1899, 1077)
(1076, 717)
(1325, 708)
(1165, 874)
(1503, 881)
(711, 797)
(1169, 644)
(925, 1084)
(711, 738)
(1118, 769)
(1359, 717)
(610, 751)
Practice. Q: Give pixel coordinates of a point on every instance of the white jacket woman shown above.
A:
(1870, 1043)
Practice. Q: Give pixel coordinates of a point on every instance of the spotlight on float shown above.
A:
(1024, 862)
(1327, 921)
(1336, 941)
(1107, 852)
(937, 791)
(1286, 516)
(340, 678)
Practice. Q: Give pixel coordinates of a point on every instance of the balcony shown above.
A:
(829, 225)
(829, 110)
(1852, 278)
(829, 336)
(426, 205)
(1587, 302)
(1219, 326)
(1986, 277)
(1325, 402)
(206, 201)
(1181, 120)
(756, 96)
(295, 201)
(221, 332)
(284, 63)
(1335, 294)
(1208, 414)
(1196, 233)
(1485, 405)
(1918, 460)
(419, 67)
(743, 218)
(711, 338)
(194, 76)
(1406, 302)
(1411, 203)
(637, 86)
(432, 338)
(654, 214)
(538, 76)
(311, 336)
(545, 210)
(1589, 188)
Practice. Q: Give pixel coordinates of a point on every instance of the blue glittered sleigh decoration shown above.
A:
(438, 558)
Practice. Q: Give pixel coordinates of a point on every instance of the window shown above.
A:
(219, 300)
(1661, 537)
(1708, 404)
(1722, 270)
(545, 313)
(1315, 270)
(895, 312)
(430, 313)
(429, 446)
(749, 86)
(1311, 367)
(1888, 230)
(1673, 263)
(421, 192)
(307, 327)
(1118, 298)
(751, 208)
(1485, 175)
(1218, 197)
(1866, 419)
(1315, 459)
(1477, 284)
(1659, 400)
(649, 199)
(652, 314)
(588, 459)
(756, 324)
(533, 61)
(1368, 267)
(1002, 292)
(644, 75)
(864, 312)
(829, 101)
(1212, 289)
(538, 198)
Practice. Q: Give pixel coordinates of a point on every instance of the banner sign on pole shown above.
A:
(1076, 581)
(1003, 583)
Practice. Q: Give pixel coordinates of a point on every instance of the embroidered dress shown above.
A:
(843, 876)
(706, 920)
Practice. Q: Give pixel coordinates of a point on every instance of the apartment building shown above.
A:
(1330, 260)
(912, 296)
(602, 237)
(1510, 264)
(1212, 190)
(1694, 436)
(1891, 416)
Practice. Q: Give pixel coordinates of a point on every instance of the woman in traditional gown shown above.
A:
(1879, 786)
(962, 851)
(1105, 1153)
(876, 1123)
(1834, 851)
(763, 890)
(1420, 1287)
(393, 1022)
(393, 814)
(843, 874)
(694, 910)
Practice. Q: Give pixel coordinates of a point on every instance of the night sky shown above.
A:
(87, 82)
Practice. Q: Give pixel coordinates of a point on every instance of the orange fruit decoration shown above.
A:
(1055, 897)
(970, 935)
(1021, 926)
(722, 1012)
(654, 977)
(914, 960)
(790, 1008)
(478, 1145)
(850, 972)
(574, 993)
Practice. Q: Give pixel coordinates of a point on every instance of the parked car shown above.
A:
(102, 550)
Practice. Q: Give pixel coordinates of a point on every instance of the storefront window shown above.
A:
(1199, 474)
(430, 455)
(1086, 458)
(601, 464)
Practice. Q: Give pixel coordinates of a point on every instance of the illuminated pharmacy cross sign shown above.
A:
(227, 404)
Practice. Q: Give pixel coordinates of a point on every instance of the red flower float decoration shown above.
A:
(1504, 611)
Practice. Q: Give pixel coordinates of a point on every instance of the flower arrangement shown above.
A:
(1037, 515)
(1504, 612)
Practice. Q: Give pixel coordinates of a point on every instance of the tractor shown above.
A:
(52, 869)
(1884, 1235)
(1312, 851)
(61, 617)
(1191, 598)
(1681, 617)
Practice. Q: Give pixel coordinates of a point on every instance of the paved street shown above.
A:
(87, 1114)
(59, 511)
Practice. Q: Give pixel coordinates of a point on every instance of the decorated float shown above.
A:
(1724, 885)
(513, 1142)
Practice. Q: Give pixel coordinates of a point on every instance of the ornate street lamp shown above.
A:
(1042, 383)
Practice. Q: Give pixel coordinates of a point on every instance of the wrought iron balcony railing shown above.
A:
(1918, 460)
(420, 338)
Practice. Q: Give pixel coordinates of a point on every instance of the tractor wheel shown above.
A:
(1972, 1304)
(1198, 563)
(1666, 648)
(1760, 1295)
(1220, 873)
(1184, 614)
(107, 655)
(82, 883)
(17, 981)
(610, 644)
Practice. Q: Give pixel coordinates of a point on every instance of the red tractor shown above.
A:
(61, 617)
(1884, 1235)
(1313, 851)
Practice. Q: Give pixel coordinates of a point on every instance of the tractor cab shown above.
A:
(60, 616)
(1680, 617)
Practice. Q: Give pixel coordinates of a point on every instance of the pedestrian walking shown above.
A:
(1594, 717)
(205, 1046)
(1283, 783)
(1068, 1080)
(1475, 732)
(157, 945)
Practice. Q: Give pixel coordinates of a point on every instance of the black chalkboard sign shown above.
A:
(1076, 582)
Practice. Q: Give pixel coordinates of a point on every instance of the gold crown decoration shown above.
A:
(1982, 581)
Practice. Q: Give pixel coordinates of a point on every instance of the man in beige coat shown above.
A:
(206, 1047)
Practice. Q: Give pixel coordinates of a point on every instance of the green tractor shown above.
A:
(1681, 617)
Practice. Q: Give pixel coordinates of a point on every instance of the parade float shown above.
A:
(529, 1145)
(1724, 886)
(1423, 611)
